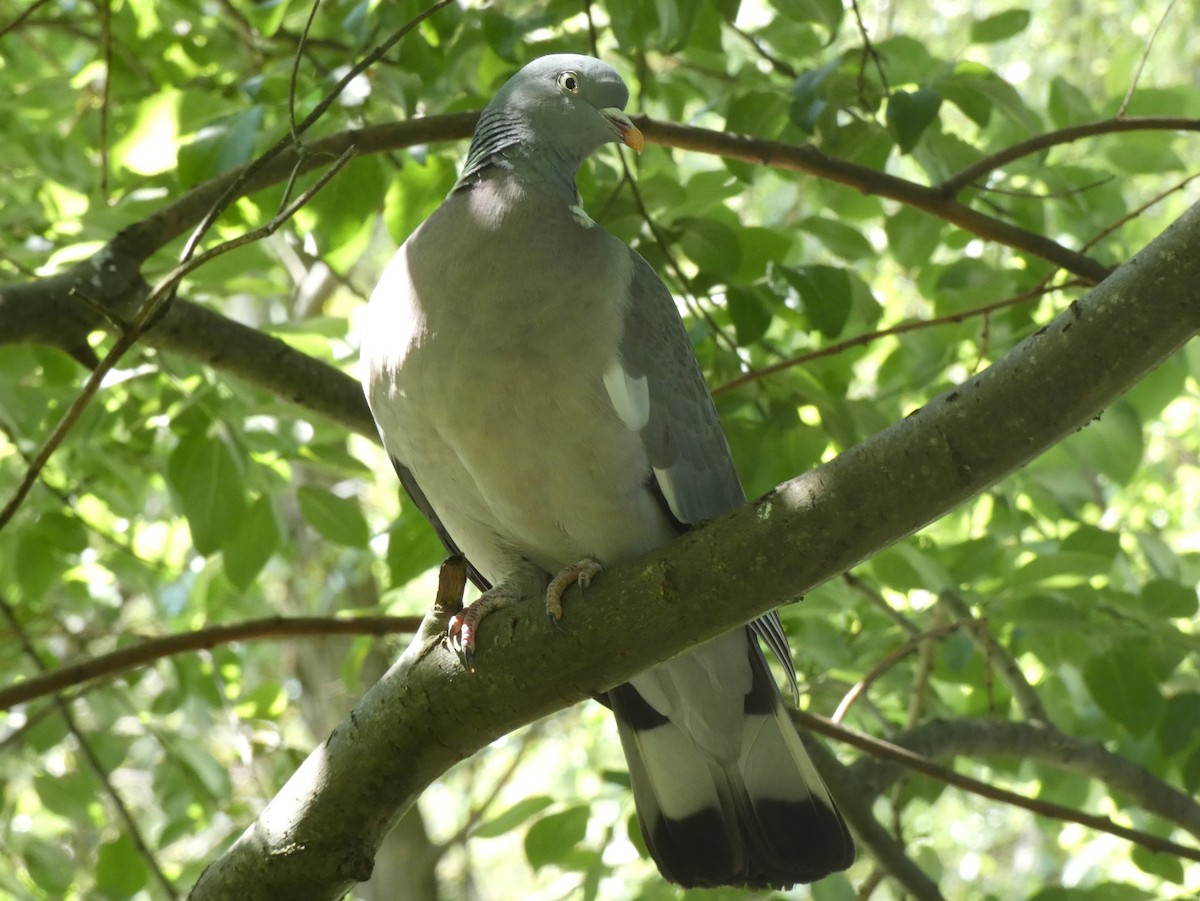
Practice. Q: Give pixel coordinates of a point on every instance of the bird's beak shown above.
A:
(631, 135)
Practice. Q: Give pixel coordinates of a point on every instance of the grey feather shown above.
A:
(534, 385)
(683, 438)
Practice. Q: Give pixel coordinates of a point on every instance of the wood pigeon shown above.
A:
(537, 393)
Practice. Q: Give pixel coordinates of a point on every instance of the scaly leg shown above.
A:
(581, 571)
(465, 624)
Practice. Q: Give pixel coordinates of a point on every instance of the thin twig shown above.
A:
(105, 93)
(779, 65)
(295, 74)
(152, 650)
(22, 16)
(1137, 75)
(887, 662)
(867, 51)
(896, 754)
(1023, 693)
(953, 185)
(918, 695)
(1133, 214)
(89, 754)
(146, 315)
(245, 175)
(880, 602)
(869, 337)
(593, 35)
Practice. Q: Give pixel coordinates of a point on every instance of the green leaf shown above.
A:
(209, 486)
(978, 91)
(337, 215)
(1111, 445)
(514, 816)
(50, 866)
(825, 294)
(1164, 866)
(844, 240)
(121, 870)
(1177, 730)
(1120, 680)
(826, 13)
(553, 837)
(337, 519)
(1191, 773)
(909, 114)
(713, 246)
(220, 146)
(267, 15)
(252, 543)
(1143, 153)
(39, 565)
(1089, 539)
(67, 795)
(1068, 105)
(750, 312)
(913, 237)
(1000, 26)
(1163, 597)
(1060, 569)
(413, 547)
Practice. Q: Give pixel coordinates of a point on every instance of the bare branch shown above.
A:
(895, 753)
(152, 650)
(953, 185)
(1034, 742)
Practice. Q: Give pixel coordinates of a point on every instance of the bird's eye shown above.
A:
(569, 82)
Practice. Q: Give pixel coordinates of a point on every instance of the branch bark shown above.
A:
(61, 311)
(317, 837)
(1030, 742)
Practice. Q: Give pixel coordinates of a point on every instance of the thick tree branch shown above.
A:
(319, 834)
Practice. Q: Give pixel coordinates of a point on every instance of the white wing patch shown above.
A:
(667, 487)
(580, 215)
(629, 397)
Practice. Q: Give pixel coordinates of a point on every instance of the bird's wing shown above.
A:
(417, 496)
(692, 467)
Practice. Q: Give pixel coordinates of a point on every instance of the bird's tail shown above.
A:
(725, 797)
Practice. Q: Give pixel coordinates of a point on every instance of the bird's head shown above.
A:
(557, 110)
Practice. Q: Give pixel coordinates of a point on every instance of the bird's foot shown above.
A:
(581, 571)
(464, 625)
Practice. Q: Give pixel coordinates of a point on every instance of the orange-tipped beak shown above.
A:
(631, 135)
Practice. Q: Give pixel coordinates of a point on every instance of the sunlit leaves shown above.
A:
(553, 837)
(208, 483)
(1122, 681)
(186, 497)
(514, 816)
(221, 145)
(337, 519)
(1000, 26)
(252, 544)
(910, 113)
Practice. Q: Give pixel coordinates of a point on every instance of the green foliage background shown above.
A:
(185, 497)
